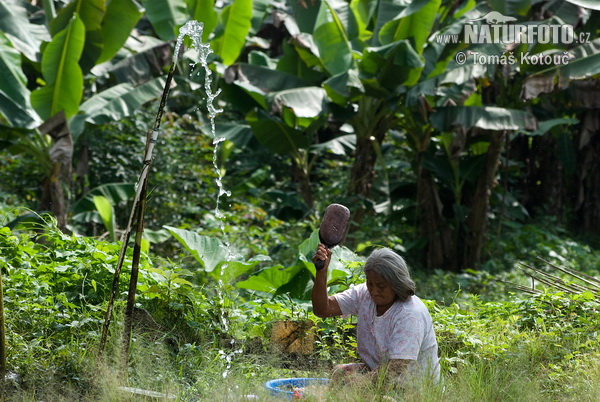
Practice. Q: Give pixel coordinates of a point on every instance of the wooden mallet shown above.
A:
(333, 228)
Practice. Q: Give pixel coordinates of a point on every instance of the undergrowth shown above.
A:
(205, 342)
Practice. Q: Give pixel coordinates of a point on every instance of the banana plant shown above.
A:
(382, 68)
(356, 56)
(481, 113)
(62, 48)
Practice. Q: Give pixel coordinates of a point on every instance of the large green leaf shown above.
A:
(305, 14)
(346, 17)
(14, 95)
(120, 18)
(258, 81)
(265, 79)
(142, 65)
(547, 125)
(236, 20)
(113, 192)
(342, 145)
(415, 27)
(585, 64)
(233, 269)
(451, 74)
(24, 36)
(165, 15)
(91, 13)
(487, 118)
(204, 11)
(389, 10)
(115, 103)
(208, 251)
(364, 10)
(16, 115)
(106, 211)
(270, 279)
(390, 65)
(296, 279)
(591, 4)
(340, 258)
(332, 41)
(64, 78)
(276, 135)
(300, 106)
(345, 87)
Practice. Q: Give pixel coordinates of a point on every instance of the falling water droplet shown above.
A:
(194, 29)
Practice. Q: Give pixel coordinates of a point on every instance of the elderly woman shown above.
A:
(395, 333)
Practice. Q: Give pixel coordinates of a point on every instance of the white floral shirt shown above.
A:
(404, 331)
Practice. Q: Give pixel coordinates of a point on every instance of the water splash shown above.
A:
(228, 357)
(194, 30)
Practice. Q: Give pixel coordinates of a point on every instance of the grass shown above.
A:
(493, 345)
(530, 369)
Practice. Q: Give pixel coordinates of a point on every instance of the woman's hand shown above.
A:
(322, 254)
(323, 304)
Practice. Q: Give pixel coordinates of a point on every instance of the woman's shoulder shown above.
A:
(354, 292)
(414, 305)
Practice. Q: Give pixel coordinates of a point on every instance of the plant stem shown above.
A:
(49, 10)
(139, 204)
(135, 262)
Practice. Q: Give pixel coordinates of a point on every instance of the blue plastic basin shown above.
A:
(284, 387)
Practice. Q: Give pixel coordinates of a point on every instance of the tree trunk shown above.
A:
(301, 177)
(477, 218)
(363, 169)
(371, 124)
(441, 248)
(545, 177)
(587, 191)
(61, 155)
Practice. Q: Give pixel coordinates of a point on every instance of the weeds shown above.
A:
(202, 342)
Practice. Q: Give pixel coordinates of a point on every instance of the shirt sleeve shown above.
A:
(407, 337)
(349, 299)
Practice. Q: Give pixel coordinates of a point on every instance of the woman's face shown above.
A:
(381, 292)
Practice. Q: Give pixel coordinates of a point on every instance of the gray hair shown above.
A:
(391, 267)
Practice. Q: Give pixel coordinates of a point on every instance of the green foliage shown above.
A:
(56, 285)
(540, 335)
(217, 285)
(235, 19)
(63, 76)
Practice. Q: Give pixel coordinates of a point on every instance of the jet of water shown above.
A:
(194, 30)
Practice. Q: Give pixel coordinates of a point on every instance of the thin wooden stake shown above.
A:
(135, 263)
(136, 215)
(590, 280)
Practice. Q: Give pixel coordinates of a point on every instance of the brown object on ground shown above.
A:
(295, 337)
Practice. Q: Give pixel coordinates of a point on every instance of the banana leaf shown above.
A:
(487, 118)
(63, 75)
(236, 20)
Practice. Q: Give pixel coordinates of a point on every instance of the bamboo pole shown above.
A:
(135, 261)
(549, 279)
(137, 215)
(589, 280)
(558, 283)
